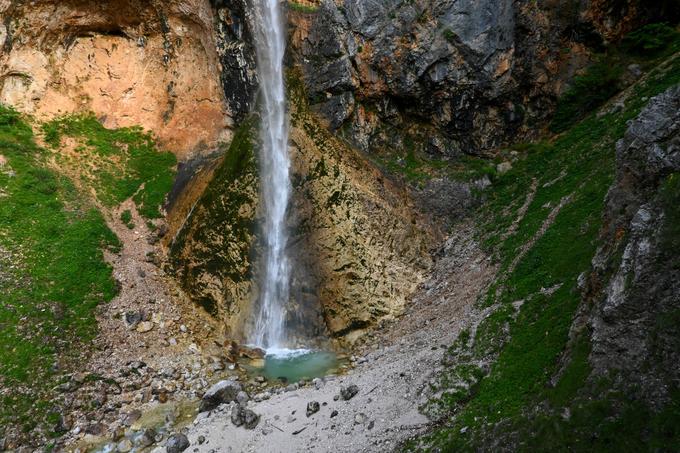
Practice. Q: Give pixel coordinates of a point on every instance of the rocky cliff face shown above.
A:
(362, 233)
(236, 55)
(439, 77)
(185, 70)
(152, 64)
(354, 236)
(634, 322)
(476, 73)
(369, 81)
(458, 76)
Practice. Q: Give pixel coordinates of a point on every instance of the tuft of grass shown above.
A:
(128, 162)
(450, 36)
(126, 218)
(299, 7)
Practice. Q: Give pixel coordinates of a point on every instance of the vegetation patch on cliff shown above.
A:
(304, 6)
(116, 163)
(603, 79)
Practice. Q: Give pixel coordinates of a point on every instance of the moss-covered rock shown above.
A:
(211, 250)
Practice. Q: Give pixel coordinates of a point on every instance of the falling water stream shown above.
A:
(270, 43)
(269, 332)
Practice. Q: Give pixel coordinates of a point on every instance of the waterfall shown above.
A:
(270, 41)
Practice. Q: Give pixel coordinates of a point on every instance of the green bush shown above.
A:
(126, 218)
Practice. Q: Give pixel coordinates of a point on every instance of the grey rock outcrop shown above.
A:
(480, 72)
(349, 392)
(177, 443)
(240, 416)
(357, 52)
(221, 393)
(312, 408)
(448, 199)
(236, 53)
(636, 283)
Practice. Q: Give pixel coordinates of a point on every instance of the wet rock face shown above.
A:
(479, 71)
(234, 40)
(211, 250)
(637, 272)
(353, 236)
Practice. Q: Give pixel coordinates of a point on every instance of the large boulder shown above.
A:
(312, 408)
(221, 393)
(177, 443)
(240, 416)
(349, 392)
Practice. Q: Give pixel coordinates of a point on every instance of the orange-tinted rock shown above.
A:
(130, 63)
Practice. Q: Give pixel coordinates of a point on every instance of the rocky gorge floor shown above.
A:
(375, 405)
(133, 397)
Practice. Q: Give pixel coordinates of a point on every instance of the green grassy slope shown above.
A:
(126, 159)
(52, 269)
(535, 298)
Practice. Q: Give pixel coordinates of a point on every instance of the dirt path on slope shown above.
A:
(400, 360)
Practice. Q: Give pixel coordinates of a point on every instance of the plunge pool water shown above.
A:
(292, 365)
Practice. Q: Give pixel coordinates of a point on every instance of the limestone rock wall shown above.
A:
(211, 249)
(237, 86)
(358, 244)
(236, 55)
(481, 72)
(367, 247)
(635, 287)
(150, 63)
